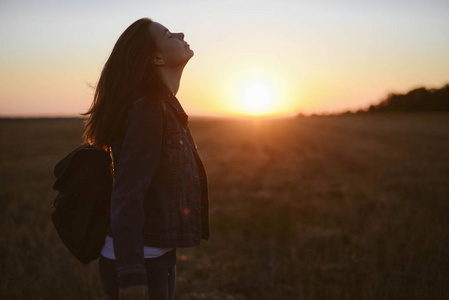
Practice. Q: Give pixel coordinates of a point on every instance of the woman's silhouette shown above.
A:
(159, 199)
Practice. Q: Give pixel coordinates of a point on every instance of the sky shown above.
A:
(252, 58)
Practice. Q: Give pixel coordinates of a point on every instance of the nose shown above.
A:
(181, 35)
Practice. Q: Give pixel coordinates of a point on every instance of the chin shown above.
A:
(190, 55)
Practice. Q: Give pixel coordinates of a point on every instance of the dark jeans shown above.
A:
(161, 272)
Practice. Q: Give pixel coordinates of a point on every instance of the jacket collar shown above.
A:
(174, 102)
(176, 106)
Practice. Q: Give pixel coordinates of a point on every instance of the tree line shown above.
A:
(419, 99)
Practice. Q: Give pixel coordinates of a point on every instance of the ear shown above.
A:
(158, 60)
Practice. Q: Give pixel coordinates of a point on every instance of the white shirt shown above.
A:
(149, 252)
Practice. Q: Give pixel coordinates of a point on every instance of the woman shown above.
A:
(159, 199)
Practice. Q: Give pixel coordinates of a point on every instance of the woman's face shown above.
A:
(172, 49)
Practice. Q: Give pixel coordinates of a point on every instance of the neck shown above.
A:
(171, 77)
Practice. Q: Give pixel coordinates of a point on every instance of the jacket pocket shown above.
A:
(177, 154)
(175, 139)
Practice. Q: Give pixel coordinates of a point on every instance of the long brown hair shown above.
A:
(127, 75)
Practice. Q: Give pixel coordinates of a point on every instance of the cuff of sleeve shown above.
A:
(132, 275)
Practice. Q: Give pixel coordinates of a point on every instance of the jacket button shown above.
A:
(181, 142)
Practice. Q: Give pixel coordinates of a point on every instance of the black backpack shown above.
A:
(81, 216)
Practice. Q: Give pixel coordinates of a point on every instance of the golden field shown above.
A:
(336, 207)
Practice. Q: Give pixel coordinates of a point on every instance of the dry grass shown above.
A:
(314, 208)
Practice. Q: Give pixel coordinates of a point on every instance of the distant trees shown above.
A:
(419, 99)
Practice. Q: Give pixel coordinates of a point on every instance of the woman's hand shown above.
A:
(135, 292)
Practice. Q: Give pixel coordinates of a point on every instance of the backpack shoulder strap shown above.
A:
(112, 164)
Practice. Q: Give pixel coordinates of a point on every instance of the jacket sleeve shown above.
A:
(139, 157)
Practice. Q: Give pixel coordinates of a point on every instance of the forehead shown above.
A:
(157, 30)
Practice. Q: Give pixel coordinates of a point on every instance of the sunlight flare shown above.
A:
(257, 97)
(255, 91)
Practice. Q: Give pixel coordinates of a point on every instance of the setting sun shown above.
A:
(257, 97)
(257, 92)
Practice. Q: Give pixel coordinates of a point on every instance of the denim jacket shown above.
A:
(160, 192)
